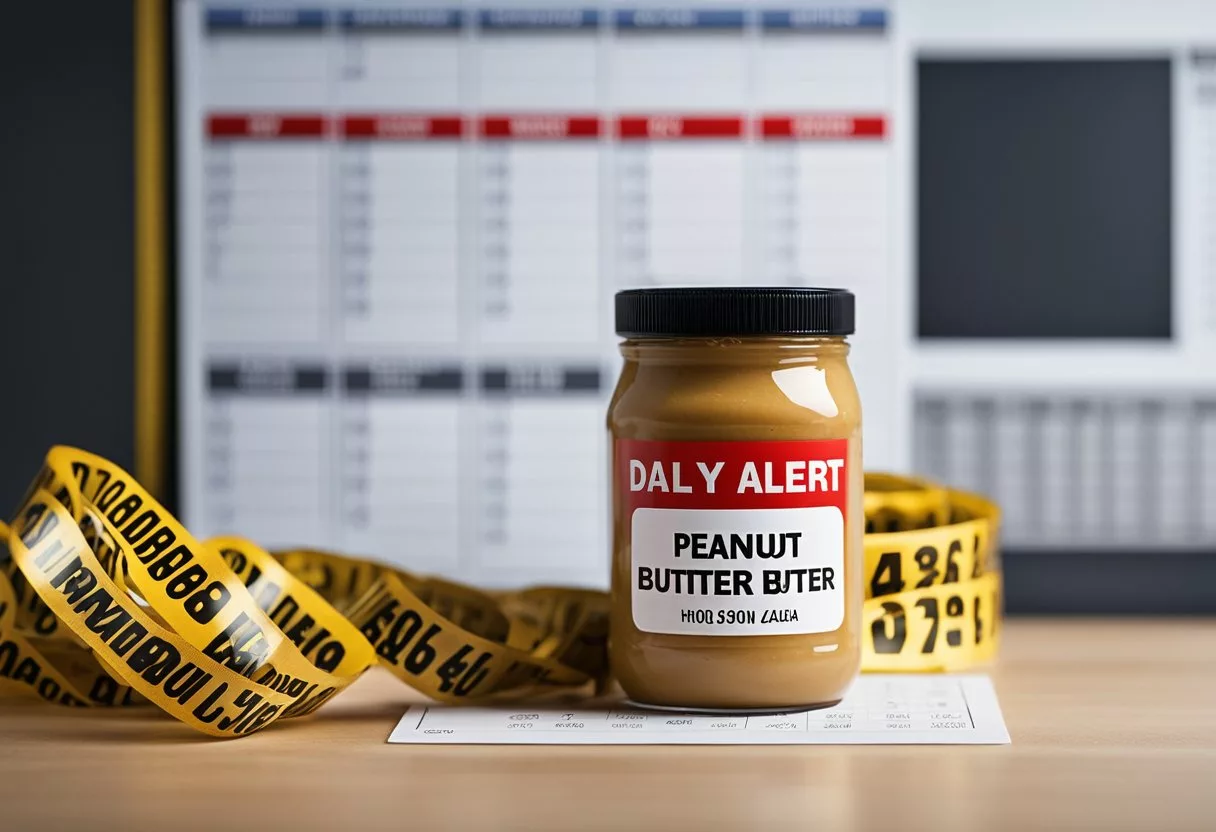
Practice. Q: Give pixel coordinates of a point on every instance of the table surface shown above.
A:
(1113, 726)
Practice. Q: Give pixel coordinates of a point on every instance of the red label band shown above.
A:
(266, 126)
(732, 475)
(822, 126)
(540, 127)
(545, 127)
(402, 126)
(680, 127)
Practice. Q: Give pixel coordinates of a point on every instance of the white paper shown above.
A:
(879, 709)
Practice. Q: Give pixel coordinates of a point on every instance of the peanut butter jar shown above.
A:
(737, 520)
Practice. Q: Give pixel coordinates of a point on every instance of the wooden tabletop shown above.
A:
(1113, 726)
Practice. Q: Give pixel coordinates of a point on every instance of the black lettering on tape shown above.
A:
(108, 494)
(282, 683)
(330, 656)
(299, 631)
(105, 616)
(889, 643)
(154, 659)
(208, 602)
(81, 472)
(462, 677)
(128, 638)
(140, 526)
(104, 690)
(155, 545)
(8, 657)
(308, 703)
(264, 715)
(294, 708)
(316, 639)
(185, 583)
(285, 610)
(48, 689)
(242, 646)
(236, 560)
(123, 511)
(27, 671)
(374, 626)
(401, 632)
(207, 711)
(246, 700)
(104, 476)
(170, 563)
(74, 580)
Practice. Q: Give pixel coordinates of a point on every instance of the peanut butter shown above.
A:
(737, 499)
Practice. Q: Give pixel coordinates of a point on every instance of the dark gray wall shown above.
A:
(1036, 181)
(66, 227)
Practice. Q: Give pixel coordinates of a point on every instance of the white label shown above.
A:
(740, 572)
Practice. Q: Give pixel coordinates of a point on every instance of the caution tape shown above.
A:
(933, 577)
(106, 600)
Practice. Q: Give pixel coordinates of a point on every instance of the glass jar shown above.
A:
(737, 499)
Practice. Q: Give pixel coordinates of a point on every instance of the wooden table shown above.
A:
(1113, 725)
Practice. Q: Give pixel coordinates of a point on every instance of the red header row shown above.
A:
(546, 127)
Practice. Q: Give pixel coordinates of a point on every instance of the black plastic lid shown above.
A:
(690, 313)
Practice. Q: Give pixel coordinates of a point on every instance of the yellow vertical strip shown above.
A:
(151, 347)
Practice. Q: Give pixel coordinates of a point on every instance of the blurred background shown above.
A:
(367, 303)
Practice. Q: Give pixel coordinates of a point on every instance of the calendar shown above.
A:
(403, 227)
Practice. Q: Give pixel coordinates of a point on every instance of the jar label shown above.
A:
(735, 538)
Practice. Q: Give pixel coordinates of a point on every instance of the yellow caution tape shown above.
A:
(105, 599)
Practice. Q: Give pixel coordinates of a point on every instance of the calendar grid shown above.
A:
(434, 205)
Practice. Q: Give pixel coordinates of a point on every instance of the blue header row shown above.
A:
(424, 19)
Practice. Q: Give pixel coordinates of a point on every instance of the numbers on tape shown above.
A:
(106, 600)
(933, 595)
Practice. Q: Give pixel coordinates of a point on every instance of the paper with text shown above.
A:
(879, 709)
